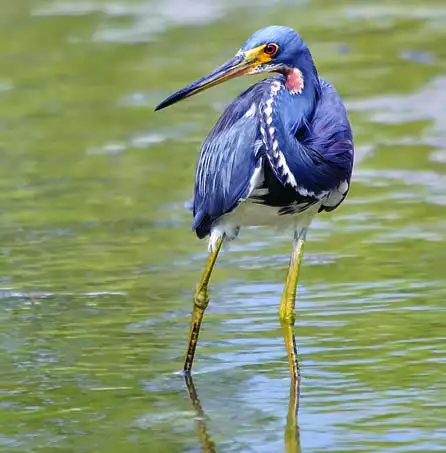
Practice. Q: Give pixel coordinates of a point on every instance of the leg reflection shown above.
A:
(207, 444)
(292, 438)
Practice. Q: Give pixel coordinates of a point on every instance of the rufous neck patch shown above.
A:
(294, 81)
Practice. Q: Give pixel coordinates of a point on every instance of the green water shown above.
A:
(98, 262)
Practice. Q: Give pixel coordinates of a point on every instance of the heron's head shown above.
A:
(271, 49)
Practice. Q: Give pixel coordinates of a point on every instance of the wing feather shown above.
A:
(321, 162)
(228, 159)
(332, 133)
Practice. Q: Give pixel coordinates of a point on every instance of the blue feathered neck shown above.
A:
(284, 115)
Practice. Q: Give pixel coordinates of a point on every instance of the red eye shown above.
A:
(271, 49)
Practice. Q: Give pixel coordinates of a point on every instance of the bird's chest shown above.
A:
(269, 204)
(253, 213)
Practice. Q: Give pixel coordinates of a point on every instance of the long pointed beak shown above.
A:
(236, 66)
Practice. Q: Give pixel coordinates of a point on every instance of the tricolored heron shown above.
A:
(280, 153)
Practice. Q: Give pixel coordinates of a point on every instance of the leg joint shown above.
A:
(287, 319)
(201, 299)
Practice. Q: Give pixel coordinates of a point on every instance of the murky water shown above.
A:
(98, 261)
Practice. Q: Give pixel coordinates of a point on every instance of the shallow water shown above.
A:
(98, 261)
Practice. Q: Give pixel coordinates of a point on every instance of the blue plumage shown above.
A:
(318, 151)
(282, 150)
(286, 142)
(228, 159)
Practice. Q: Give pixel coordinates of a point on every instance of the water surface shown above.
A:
(98, 261)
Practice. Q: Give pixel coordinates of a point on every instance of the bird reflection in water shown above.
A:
(207, 444)
(291, 437)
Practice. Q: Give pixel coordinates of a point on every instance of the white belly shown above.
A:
(250, 213)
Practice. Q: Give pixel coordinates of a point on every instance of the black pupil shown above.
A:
(270, 48)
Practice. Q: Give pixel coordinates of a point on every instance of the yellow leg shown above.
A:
(287, 317)
(288, 301)
(293, 360)
(287, 305)
(201, 301)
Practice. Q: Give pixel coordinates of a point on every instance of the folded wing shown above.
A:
(228, 160)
